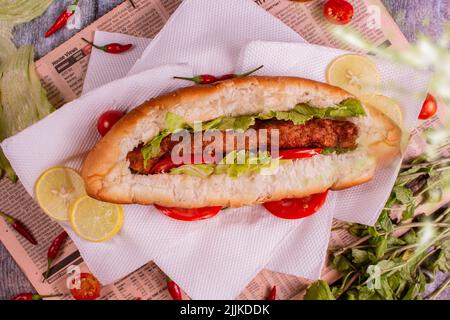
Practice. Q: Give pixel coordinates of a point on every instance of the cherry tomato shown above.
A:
(107, 120)
(429, 108)
(163, 165)
(189, 214)
(89, 288)
(299, 153)
(338, 11)
(296, 208)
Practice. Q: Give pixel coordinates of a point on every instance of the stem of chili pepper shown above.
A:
(132, 3)
(242, 75)
(273, 294)
(61, 21)
(31, 296)
(54, 249)
(19, 227)
(174, 290)
(111, 47)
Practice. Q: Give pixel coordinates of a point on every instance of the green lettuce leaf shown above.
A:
(23, 101)
(153, 148)
(196, 170)
(234, 164)
(174, 122)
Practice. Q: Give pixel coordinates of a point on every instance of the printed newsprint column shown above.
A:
(62, 72)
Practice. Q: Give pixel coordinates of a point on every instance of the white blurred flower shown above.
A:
(74, 21)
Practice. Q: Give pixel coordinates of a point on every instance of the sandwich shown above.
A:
(240, 142)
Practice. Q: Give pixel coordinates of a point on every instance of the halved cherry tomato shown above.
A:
(163, 165)
(429, 108)
(189, 214)
(296, 208)
(107, 120)
(89, 288)
(299, 153)
(338, 11)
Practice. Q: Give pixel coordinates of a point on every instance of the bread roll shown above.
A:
(108, 177)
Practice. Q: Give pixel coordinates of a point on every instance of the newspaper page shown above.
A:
(62, 72)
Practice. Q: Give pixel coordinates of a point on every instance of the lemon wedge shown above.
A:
(354, 73)
(94, 220)
(386, 105)
(56, 189)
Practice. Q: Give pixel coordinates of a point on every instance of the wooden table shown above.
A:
(413, 17)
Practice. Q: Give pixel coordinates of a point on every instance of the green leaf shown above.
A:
(153, 149)
(213, 124)
(196, 170)
(308, 111)
(367, 294)
(409, 212)
(232, 166)
(385, 291)
(359, 256)
(293, 116)
(243, 123)
(381, 246)
(404, 195)
(410, 237)
(353, 107)
(319, 290)
(174, 122)
(342, 264)
(384, 222)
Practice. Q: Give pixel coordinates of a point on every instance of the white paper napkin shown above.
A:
(208, 34)
(105, 67)
(361, 204)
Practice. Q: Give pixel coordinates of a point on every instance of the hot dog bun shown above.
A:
(107, 175)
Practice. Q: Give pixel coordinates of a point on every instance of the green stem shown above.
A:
(249, 72)
(92, 44)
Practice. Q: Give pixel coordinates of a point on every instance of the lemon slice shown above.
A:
(355, 73)
(56, 189)
(386, 105)
(95, 220)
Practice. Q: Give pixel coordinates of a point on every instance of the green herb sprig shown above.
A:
(406, 250)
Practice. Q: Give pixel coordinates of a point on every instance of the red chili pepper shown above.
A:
(54, 249)
(19, 227)
(208, 78)
(200, 79)
(273, 294)
(61, 21)
(31, 296)
(111, 47)
(174, 290)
